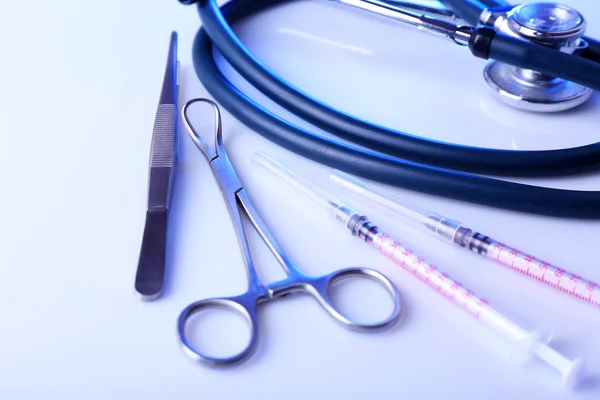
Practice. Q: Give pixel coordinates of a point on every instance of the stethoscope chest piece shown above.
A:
(548, 24)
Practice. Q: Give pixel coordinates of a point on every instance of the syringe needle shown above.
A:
(441, 282)
(455, 232)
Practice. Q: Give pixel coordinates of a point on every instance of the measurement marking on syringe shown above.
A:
(428, 273)
(526, 341)
(415, 264)
(544, 272)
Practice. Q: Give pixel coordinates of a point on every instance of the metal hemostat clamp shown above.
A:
(549, 24)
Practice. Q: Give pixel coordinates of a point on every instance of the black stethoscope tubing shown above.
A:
(441, 177)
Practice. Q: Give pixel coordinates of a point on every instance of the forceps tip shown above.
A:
(149, 297)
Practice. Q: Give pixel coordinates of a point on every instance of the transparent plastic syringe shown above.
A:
(528, 342)
(455, 232)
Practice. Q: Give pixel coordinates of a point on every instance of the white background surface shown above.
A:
(79, 84)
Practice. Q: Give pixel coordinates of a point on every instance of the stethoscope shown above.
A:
(541, 61)
(516, 80)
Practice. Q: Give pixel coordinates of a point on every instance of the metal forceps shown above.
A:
(246, 304)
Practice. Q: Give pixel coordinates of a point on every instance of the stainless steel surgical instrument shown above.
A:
(163, 159)
(246, 304)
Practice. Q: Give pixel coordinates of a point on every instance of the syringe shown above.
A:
(527, 341)
(455, 232)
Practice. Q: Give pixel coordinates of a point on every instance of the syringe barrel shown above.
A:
(527, 343)
(441, 282)
(540, 270)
